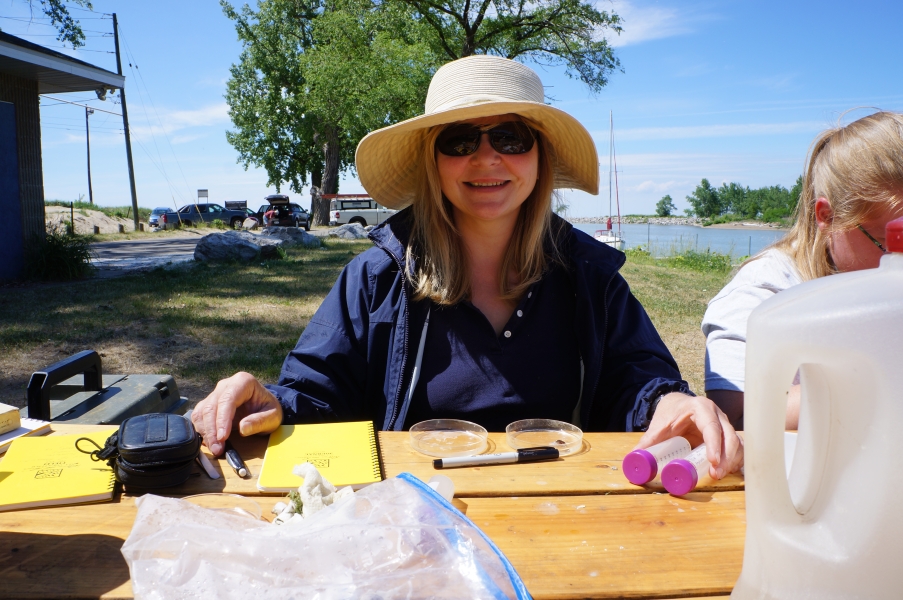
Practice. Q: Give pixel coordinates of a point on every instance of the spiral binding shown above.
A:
(374, 453)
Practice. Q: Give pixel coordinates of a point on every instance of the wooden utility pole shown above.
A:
(125, 125)
(89, 111)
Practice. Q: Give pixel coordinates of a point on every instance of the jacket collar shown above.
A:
(393, 234)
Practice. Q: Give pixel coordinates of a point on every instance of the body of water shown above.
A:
(666, 240)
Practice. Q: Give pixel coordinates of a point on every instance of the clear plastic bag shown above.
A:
(393, 539)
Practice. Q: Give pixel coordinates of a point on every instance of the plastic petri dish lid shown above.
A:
(530, 433)
(443, 438)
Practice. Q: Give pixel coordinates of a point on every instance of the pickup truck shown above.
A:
(356, 208)
(195, 214)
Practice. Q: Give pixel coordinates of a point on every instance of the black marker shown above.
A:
(235, 461)
(522, 455)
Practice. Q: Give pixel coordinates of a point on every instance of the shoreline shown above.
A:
(690, 221)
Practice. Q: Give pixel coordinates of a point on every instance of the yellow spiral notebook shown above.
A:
(344, 453)
(50, 471)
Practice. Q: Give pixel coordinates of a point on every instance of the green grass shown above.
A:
(675, 292)
(58, 256)
(202, 322)
(199, 322)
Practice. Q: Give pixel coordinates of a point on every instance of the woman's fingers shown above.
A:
(699, 420)
(213, 416)
(267, 420)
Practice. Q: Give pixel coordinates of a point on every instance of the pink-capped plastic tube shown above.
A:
(681, 476)
(641, 466)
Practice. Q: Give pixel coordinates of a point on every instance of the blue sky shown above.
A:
(730, 90)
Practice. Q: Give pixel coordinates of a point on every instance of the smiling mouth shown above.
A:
(485, 185)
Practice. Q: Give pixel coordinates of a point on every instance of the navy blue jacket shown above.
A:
(354, 359)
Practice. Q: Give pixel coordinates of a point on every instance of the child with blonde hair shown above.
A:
(853, 185)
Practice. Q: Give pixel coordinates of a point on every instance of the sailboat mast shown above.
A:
(611, 137)
(615, 159)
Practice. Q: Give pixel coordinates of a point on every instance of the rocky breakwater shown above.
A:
(640, 220)
(245, 246)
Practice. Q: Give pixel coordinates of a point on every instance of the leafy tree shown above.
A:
(795, 193)
(665, 206)
(734, 198)
(316, 75)
(315, 78)
(774, 202)
(68, 27)
(704, 200)
(558, 32)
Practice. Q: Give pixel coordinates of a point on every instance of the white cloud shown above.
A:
(775, 82)
(170, 122)
(651, 186)
(645, 23)
(711, 131)
(209, 115)
(184, 139)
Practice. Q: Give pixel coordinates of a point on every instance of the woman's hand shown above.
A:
(242, 399)
(698, 420)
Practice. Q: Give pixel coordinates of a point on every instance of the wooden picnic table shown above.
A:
(572, 528)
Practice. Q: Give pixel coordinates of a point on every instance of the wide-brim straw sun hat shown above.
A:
(388, 160)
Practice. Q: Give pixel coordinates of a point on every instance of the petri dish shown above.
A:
(443, 438)
(229, 503)
(530, 433)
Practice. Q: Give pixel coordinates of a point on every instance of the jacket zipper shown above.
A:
(407, 316)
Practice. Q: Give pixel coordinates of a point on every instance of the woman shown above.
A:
(477, 302)
(853, 185)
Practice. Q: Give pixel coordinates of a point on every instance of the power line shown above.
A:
(140, 79)
(82, 105)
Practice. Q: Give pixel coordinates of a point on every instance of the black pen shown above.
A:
(522, 455)
(235, 461)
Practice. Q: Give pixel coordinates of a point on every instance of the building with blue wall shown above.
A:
(26, 71)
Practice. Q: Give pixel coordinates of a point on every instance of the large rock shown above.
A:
(237, 245)
(292, 236)
(249, 223)
(351, 231)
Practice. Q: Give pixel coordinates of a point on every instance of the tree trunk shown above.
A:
(316, 184)
(330, 175)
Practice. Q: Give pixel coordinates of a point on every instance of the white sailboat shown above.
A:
(608, 235)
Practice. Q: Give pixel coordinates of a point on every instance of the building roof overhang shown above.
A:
(54, 71)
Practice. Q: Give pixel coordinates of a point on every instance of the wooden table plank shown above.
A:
(632, 546)
(595, 470)
(66, 551)
(627, 546)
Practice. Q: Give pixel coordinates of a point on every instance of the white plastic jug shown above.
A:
(834, 528)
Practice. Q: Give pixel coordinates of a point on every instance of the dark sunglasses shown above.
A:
(511, 137)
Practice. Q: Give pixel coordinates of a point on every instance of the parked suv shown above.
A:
(194, 214)
(288, 214)
(356, 208)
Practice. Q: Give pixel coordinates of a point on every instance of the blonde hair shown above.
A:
(859, 170)
(440, 270)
